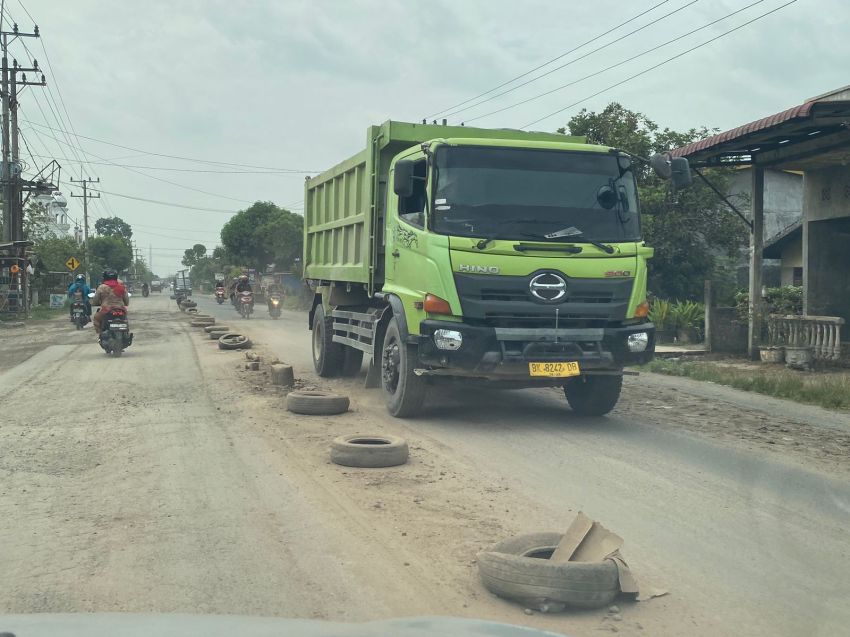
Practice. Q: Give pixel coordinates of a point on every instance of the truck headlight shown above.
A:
(638, 342)
(448, 339)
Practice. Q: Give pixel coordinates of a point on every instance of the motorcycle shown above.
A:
(274, 305)
(145, 291)
(115, 335)
(79, 315)
(246, 304)
(219, 295)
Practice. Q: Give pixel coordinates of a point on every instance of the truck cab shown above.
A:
(513, 258)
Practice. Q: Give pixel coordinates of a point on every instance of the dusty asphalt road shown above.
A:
(205, 496)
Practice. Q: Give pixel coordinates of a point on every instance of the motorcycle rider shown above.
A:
(274, 289)
(111, 293)
(244, 285)
(79, 287)
(145, 289)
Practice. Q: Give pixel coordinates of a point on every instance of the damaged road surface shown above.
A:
(202, 494)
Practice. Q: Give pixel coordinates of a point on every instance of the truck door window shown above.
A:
(412, 209)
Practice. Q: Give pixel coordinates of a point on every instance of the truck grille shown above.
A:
(506, 301)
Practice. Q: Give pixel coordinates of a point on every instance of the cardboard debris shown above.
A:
(588, 541)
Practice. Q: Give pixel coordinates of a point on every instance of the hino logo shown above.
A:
(548, 287)
(479, 269)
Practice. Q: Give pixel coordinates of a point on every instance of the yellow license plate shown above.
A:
(554, 370)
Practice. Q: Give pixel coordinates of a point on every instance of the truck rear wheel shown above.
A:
(327, 355)
(404, 391)
(593, 395)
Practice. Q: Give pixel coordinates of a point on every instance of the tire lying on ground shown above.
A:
(514, 569)
(191, 310)
(214, 335)
(316, 403)
(369, 451)
(232, 340)
(216, 328)
(202, 322)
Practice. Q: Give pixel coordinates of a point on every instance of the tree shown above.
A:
(194, 254)
(263, 234)
(109, 252)
(52, 254)
(693, 235)
(113, 227)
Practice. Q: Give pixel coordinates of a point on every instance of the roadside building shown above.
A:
(812, 138)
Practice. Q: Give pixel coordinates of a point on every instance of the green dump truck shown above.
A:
(451, 253)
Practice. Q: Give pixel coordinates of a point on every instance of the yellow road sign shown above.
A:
(72, 264)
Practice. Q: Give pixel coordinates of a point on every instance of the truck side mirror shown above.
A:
(676, 169)
(403, 177)
(681, 176)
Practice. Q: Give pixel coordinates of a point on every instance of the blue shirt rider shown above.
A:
(79, 285)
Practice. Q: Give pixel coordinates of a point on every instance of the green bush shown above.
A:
(659, 314)
(687, 315)
(784, 300)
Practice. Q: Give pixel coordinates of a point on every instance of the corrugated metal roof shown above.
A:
(797, 112)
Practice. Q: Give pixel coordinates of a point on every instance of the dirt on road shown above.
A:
(205, 495)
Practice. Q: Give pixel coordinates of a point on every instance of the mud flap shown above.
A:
(373, 375)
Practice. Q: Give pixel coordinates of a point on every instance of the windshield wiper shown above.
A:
(571, 232)
(482, 243)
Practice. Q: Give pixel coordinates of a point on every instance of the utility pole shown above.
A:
(10, 171)
(86, 196)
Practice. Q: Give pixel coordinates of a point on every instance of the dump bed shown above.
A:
(343, 206)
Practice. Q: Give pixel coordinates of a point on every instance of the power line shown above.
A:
(110, 162)
(201, 161)
(165, 181)
(655, 66)
(573, 61)
(168, 203)
(554, 59)
(612, 66)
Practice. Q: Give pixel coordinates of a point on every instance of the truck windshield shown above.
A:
(519, 193)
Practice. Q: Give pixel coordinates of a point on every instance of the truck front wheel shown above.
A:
(593, 395)
(327, 355)
(404, 391)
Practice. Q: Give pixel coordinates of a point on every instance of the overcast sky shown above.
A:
(293, 84)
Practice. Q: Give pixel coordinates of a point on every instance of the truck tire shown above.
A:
(514, 569)
(231, 341)
(352, 361)
(369, 451)
(316, 403)
(404, 391)
(593, 395)
(327, 355)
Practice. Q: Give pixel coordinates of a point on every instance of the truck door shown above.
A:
(407, 262)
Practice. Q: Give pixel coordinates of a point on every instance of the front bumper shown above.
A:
(504, 353)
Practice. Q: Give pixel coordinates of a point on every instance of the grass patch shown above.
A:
(830, 390)
(45, 313)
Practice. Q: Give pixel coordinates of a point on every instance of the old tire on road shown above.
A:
(316, 403)
(593, 395)
(215, 335)
(233, 341)
(369, 451)
(328, 357)
(518, 568)
(404, 391)
(216, 328)
(203, 322)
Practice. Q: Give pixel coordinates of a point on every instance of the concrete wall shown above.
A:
(728, 334)
(792, 257)
(826, 242)
(783, 197)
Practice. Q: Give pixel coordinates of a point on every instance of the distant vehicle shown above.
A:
(156, 285)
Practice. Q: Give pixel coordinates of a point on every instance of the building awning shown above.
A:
(814, 128)
(774, 246)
